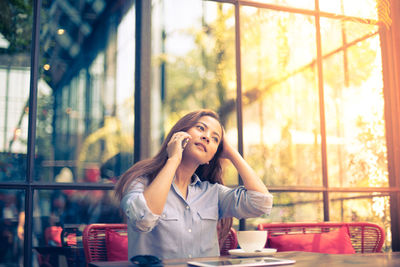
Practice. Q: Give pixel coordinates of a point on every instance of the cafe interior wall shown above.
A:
(80, 123)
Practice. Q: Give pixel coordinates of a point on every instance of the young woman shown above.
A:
(173, 201)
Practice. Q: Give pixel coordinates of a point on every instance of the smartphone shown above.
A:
(185, 142)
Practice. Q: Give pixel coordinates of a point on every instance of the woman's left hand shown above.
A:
(250, 179)
(228, 150)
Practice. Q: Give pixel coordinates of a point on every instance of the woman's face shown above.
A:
(206, 137)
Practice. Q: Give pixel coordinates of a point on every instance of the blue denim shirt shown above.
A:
(187, 227)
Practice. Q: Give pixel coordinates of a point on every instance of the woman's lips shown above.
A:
(202, 146)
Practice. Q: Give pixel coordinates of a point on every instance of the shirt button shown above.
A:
(187, 207)
(190, 230)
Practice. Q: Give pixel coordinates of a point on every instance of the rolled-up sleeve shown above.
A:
(135, 208)
(242, 203)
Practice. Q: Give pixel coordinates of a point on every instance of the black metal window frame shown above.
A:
(143, 13)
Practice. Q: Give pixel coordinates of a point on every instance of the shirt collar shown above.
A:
(195, 179)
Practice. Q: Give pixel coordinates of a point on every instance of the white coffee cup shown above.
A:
(252, 241)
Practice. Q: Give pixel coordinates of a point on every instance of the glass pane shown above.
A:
(85, 101)
(351, 8)
(292, 207)
(12, 227)
(280, 99)
(194, 48)
(337, 33)
(198, 56)
(358, 31)
(60, 217)
(332, 35)
(354, 108)
(306, 4)
(358, 207)
(230, 174)
(15, 44)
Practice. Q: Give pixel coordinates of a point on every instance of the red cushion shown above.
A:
(117, 246)
(53, 235)
(334, 242)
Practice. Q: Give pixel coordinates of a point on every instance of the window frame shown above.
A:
(390, 41)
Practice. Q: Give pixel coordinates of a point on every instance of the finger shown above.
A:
(180, 136)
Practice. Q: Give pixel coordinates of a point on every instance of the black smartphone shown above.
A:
(146, 260)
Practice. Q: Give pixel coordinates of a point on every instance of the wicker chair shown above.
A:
(94, 240)
(230, 242)
(365, 237)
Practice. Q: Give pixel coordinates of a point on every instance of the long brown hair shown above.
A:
(149, 168)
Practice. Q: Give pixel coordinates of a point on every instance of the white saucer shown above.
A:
(262, 252)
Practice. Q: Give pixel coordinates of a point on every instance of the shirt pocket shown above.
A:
(209, 213)
(169, 215)
(208, 225)
(167, 232)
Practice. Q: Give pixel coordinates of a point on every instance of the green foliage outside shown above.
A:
(280, 95)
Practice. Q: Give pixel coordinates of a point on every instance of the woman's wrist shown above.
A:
(174, 160)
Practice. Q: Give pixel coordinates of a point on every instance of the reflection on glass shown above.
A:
(64, 207)
(60, 217)
(15, 44)
(195, 52)
(351, 8)
(357, 207)
(281, 118)
(198, 55)
(357, 31)
(11, 227)
(332, 32)
(84, 130)
(305, 4)
(354, 116)
(292, 207)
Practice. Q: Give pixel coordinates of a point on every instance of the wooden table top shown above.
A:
(303, 259)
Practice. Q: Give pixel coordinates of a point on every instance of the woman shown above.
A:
(174, 200)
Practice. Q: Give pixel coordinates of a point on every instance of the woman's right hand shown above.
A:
(177, 144)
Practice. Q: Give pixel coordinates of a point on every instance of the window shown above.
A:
(307, 91)
(83, 85)
(307, 96)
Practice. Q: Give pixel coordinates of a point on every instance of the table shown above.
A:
(53, 255)
(303, 259)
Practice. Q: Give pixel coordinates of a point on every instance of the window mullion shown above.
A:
(322, 114)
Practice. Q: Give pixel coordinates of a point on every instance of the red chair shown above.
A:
(365, 237)
(230, 242)
(94, 240)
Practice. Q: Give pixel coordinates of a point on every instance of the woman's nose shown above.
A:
(205, 138)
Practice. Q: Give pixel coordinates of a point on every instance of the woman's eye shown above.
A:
(200, 127)
(216, 139)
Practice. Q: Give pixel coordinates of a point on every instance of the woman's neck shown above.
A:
(183, 177)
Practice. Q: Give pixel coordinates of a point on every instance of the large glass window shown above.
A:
(313, 105)
(15, 48)
(84, 124)
(311, 90)
(85, 119)
(196, 56)
(301, 87)
(280, 97)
